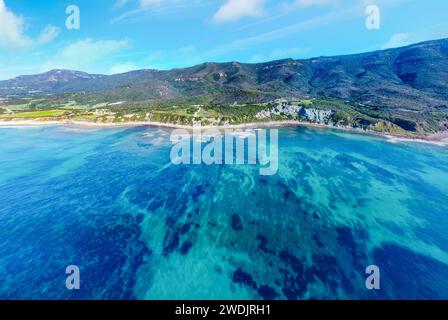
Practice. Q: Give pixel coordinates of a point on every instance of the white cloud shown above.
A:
(398, 40)
(234, 10)
(12, 31)
(87, 55)
(313, 23)
(48, 34)
(405, 38)
(84, 53)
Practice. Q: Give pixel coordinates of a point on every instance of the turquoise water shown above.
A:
(109, 201)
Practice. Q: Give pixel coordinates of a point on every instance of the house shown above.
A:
(103, 112)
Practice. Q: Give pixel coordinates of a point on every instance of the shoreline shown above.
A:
(440, 138)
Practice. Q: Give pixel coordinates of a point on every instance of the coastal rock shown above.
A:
(315, 115)
(286, 110)
(263, 114)
(308, 114)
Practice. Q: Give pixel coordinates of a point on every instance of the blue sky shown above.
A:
(120, 35)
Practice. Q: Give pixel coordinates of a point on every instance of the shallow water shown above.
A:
(109, 201)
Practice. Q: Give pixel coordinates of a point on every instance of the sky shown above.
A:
(116, 36)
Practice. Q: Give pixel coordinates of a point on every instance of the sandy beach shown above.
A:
(438, 139)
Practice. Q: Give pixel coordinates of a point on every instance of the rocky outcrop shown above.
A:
(265, 114)
(297, 112)
(316, 115)
(286, 110)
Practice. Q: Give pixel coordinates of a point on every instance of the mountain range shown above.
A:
(412, 79)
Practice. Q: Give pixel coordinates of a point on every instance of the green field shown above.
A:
(175, 112)
(35, 114)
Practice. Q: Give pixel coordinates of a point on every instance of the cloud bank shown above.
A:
(12, 31)
(234, 10)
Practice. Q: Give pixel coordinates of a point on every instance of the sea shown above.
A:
(110, 203)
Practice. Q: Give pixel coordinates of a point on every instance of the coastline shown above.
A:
(440, 138)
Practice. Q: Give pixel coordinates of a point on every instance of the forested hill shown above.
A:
(409, 82)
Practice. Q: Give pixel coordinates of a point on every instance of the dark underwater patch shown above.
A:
(237, 223)
(262, 244)
(327, 270)
(409, 275)
(347, 161)
(171, 242)
(185, 248)
(267, 293)
(241, 277)
(197, 192)
(345, 238)
(294, 282)
(317, 240)
(185, 228)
